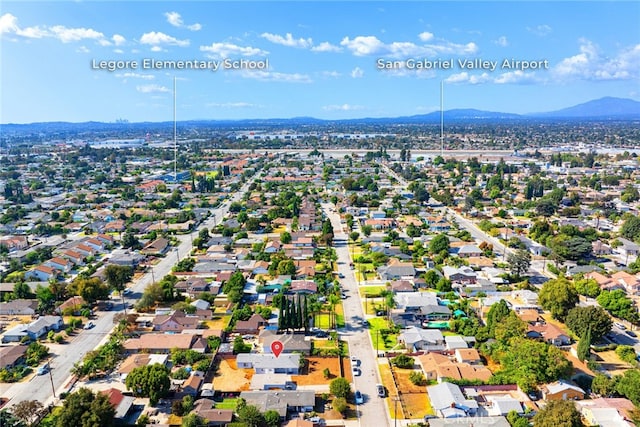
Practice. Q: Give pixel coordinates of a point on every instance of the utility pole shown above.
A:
(395, 410)
(53, 388)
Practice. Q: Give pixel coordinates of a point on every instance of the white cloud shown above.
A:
(118, 51)
(83, 49)
(268, 76)
(516, 77)
(357, 72)
(288, 40)
(152, 88)
(157, 49)
(226, 50)
(175, 19)
(333, 74)
(136, 76)
(343, 107)
(426, 36)
(590, 64)
(540, 30)
(371, 45)
(465, 77)
(67, 35)
(502, 41)
(157, 38)
(8, 23)
(118, 40)
(326, 47)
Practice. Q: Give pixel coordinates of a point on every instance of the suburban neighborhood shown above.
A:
(319, 287)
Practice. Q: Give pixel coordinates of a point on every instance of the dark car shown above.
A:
(631, 334)
(382, 392)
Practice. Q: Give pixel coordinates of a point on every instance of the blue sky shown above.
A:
(324, 58)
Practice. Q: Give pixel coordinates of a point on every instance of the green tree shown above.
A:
(626, 353)
(580, 319)
(558, 296)
(588, 287)
(86, 409)
(584, 346)
(631, 228)
(272, 418)
(287, 267)
(403, 361)
(558, 413)
(496, 314)
(340, 404)
(193, 420)
(285, 237)
(519, 262)
(21, 291)
(603, 385)
(150, 381)
(130, 241)
(251, 416)
(340, 387)
(46, 298)
(628, 385)
(90, 289)
(439, 244)
(26, 410)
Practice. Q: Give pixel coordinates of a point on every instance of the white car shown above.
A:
(620, 326)
(89, 325)
(356, 372)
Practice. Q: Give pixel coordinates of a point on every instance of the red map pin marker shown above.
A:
(277, 347)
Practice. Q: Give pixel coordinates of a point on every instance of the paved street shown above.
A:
(373, 412)
(40, 387)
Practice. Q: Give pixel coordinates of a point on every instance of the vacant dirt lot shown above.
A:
(230, 378)
(610, 361)
(313, 374)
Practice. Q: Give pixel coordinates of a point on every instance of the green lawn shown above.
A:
(228, 403)
(323, 320)
(371, 291)
(380, 341)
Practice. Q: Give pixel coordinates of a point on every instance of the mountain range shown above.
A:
(607, 108)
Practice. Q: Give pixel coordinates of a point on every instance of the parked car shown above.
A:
(359, 398)
(89, 325)
(619, 326)
(356, 372)
(355, 361)
(382, 392)
(43, 369)
(631, 334)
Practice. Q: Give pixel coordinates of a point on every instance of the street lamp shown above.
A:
(395, 410)
(53, 389)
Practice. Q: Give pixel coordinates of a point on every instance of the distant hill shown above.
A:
(603, 108)
(607, 108)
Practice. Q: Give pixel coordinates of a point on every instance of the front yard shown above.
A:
(381, 335)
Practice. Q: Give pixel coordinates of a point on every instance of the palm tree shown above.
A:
(333, 301)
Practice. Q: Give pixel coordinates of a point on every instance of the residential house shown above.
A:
(206, 409)
(267, 363)
(599, 248)
(614, 412)
(191, 385)
(305, 268)
(121, 403)
(281, 401)
(42, 325)
(442, 368)
(415, 339)
(303, 287)
(19, 307)
(84, 250)
(402, 286)
(72, 305)
(548, 333)
(12, 356)
(291, 342)
(250, 326)
(628, 248)
(468, 355)
(58, 263)
(562, 390)
(161, 343)
(175, 322)
(158, 247)
(272, 381)
(396, 270)
(75, 257)
(460, 275)
(492, 421)
(468, 251)
(139, 360)
(629, 282)
(42, 273)
(14, 243)
(449, 402)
